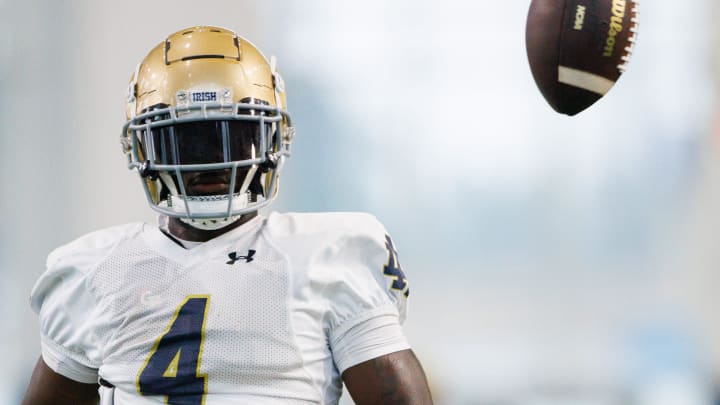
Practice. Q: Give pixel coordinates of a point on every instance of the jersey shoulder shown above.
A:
(354, 241)
(86, 250)
(347, 256)
(77, 259)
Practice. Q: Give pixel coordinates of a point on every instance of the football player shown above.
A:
(220, 304)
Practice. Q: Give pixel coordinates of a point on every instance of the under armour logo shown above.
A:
(234, 257)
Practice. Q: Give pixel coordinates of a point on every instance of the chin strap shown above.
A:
(210, 224)
(202, 224)
(207, 204)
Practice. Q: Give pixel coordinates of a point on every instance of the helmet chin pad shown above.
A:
(206, 212)
(210, 224)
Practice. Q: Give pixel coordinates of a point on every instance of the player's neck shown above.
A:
(183, 231)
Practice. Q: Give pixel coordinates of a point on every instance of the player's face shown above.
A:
(216, 182)
(207, 142)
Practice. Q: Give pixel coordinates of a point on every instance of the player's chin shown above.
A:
(212, 182)
(208, 189)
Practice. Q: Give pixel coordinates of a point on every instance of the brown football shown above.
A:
(577, 49)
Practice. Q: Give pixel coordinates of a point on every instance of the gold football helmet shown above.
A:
(207, 128)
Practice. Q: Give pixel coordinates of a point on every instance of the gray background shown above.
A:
(553, 260)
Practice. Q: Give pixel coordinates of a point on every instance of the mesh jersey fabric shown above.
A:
(292, 300)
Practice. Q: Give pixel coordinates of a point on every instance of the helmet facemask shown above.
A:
(208, 164)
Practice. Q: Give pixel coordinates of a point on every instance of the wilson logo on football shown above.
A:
(616, 26)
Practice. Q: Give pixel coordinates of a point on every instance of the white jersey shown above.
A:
(271, 312)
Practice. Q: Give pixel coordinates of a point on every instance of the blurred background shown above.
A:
(553, 260)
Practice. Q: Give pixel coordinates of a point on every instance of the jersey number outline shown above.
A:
(394, 270)
(172, 368)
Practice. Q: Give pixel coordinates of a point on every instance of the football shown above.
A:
(577, 49)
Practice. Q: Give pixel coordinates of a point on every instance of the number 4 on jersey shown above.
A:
(393, 269)
(173, 366)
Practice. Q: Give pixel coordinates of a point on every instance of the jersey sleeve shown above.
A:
(68, 313)
(367, 296)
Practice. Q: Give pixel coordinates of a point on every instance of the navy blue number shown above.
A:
(393, 268)
(173, 366)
